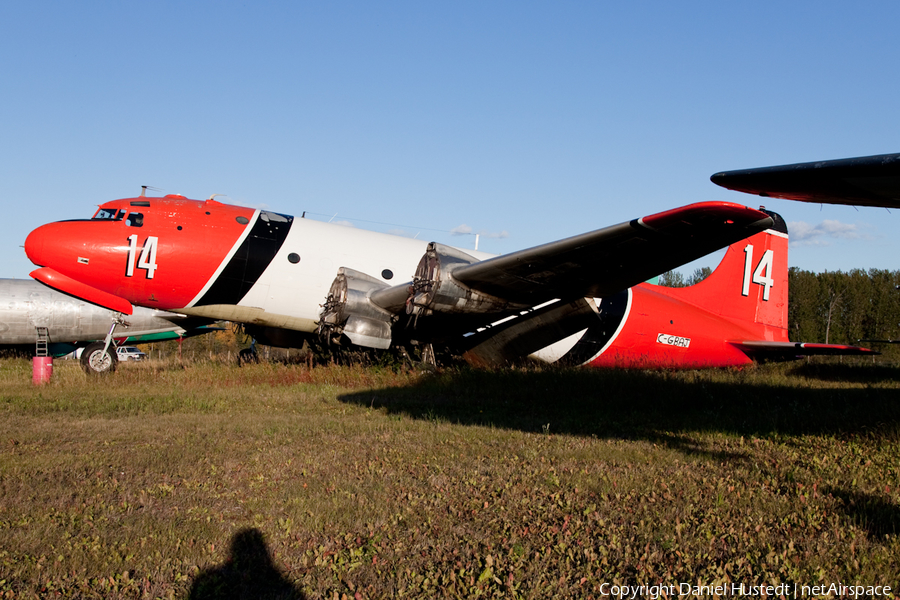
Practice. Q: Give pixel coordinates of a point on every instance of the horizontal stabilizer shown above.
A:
(775, 350)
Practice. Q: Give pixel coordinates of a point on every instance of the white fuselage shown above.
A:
(298, 289)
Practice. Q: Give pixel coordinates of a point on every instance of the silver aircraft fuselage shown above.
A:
(26, 305)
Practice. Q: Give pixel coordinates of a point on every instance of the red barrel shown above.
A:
(42, 369)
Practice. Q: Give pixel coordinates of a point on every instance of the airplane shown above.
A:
(579, 300)
(31, 312)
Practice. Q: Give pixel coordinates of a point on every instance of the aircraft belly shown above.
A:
(251, 315)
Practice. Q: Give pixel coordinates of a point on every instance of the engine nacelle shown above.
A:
(434, 291)
(349, 311)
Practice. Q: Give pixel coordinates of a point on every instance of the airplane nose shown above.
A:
(40, 241)
(34, 245)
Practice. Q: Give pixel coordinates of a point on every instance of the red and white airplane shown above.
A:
(578, 300)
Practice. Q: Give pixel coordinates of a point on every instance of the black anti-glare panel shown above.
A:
(252, 258)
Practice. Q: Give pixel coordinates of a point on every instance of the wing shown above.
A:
(453, 292)
(606, 261)
(863, 181)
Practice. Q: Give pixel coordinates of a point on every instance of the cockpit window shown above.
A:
(135, 219)
(109, 214)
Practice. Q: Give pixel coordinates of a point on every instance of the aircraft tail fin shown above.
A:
(750, 285)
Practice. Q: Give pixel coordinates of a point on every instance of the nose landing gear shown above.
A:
(99, 358)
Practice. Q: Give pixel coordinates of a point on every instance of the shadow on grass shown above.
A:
(850, 372)
(662, 407)
(247, 573)
(878, 516)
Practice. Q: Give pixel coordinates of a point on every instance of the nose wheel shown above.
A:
(98, 359)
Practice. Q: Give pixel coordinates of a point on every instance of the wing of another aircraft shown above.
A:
(862, 181)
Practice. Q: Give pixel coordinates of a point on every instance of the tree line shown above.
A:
(844, 308)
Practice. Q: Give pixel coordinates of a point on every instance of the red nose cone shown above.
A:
(34, 245)
(60, 245)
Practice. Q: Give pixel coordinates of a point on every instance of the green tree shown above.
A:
(698, 275)
(672, 279)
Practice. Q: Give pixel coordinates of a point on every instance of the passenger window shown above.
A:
(135, 219)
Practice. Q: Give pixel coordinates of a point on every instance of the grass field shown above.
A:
(213, 481)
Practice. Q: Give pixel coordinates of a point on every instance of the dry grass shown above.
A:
(374, 483)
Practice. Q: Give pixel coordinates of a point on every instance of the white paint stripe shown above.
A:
(503, 320)
(227, 259)
(516, 316)
(547, 303)
(558, 349)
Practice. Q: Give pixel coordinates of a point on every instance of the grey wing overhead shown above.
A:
(862, 181)
(609, 260)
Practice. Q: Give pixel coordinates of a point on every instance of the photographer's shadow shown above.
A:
(247, 573)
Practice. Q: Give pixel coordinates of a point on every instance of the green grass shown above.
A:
(530, 483)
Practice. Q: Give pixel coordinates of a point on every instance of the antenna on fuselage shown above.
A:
(144, 189)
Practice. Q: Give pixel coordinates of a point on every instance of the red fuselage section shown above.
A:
(160, 258)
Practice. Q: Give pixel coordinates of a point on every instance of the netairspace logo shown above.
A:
(742, 590)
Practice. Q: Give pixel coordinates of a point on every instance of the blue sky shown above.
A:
(523, 121)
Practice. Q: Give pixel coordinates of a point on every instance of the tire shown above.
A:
(247, 356)
(94, 362)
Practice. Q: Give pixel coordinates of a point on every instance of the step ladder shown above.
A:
(43, 340)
